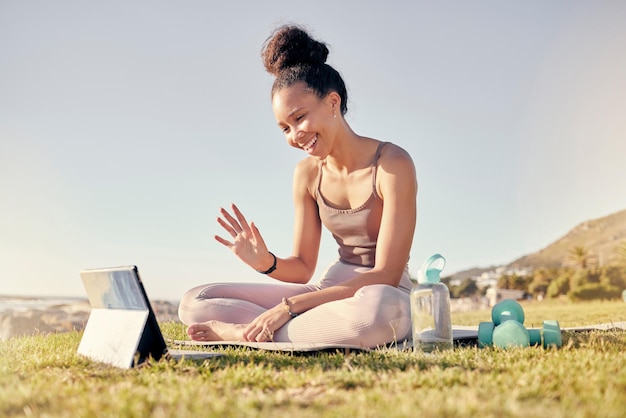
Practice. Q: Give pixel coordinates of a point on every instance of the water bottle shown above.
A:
(430, 309)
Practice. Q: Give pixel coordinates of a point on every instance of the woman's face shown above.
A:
(308, 122)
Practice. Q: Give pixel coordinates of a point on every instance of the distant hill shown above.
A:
(473, 272)
(599, 237)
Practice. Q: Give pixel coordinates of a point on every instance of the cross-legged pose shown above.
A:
(361, 189)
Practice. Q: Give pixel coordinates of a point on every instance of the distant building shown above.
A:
(495, 295)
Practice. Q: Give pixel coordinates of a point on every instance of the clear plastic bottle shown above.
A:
(430, 310)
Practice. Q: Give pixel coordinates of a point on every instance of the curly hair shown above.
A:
(292, 56)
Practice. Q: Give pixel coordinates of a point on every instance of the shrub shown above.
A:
(467, 288)
(560, 285)
(583, 277)
(613, 276)
(594, 291)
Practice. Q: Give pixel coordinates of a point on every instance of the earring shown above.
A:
(334, 115)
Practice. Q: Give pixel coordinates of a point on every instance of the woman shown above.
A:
(361, 189)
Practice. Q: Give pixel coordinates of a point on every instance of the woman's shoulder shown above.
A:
(306, 173)
(308, 166)
(391, 152)
(395, 160)
(396, 170)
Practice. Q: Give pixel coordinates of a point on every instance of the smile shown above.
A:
(309, 145)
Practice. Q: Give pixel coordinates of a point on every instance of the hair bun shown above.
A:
(291, 46)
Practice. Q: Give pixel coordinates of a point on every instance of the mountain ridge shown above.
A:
(599, 237)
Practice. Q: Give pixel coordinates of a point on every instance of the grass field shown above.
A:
(42, 376)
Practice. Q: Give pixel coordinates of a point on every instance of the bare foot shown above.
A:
(216, 331)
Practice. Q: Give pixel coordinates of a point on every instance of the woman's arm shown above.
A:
(300, 266)
(248, 244)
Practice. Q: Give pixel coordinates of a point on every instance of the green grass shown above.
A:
(43, 376)
(569, 314)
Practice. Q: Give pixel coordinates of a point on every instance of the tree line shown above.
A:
(580, 278)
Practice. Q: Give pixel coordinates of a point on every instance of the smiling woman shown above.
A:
(361, 189)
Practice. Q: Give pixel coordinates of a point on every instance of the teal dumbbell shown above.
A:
(507, 310)
(549, 335)
(534, 335)
(507, 329)
(508, 318)
(485, 334)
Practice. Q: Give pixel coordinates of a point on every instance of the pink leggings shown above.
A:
(374, 316)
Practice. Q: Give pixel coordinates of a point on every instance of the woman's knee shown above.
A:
(194, 300)
(382, 293)
(386, 305)
(207, 291)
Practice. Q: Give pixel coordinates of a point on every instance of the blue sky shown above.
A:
(125, 126)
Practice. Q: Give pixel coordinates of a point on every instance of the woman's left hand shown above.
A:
(263, 327)
(247, 242)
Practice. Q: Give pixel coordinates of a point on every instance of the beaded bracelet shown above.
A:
(288, 309)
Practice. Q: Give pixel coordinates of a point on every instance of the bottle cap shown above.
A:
(429, 274)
